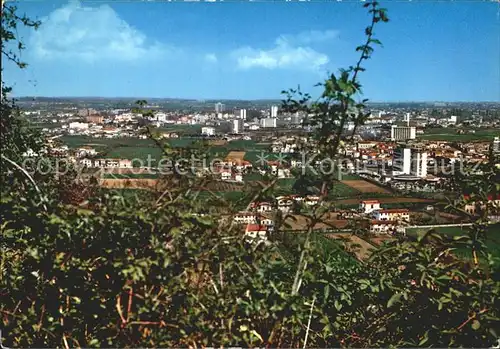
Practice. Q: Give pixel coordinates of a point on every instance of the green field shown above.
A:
(349, 177)
(284, 186)
(253, 176)
(229, 196)
(339, 190)
(492, 239)
(450, 134)
(131, 194)
(130, 176)
(131, 153)
(135, 148)
(40, 125)
(182, 142)
(290, 242)
(246, 145)
(79, 141)
(181, 128)
(257, 157)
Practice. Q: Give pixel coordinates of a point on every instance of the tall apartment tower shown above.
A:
(274, 111)
(419, 163)
(496, 145)
(296, 119)
(408, 161)
(268, 122)
(219, 107)
(243, 114)
(237, 126)
(403, 133)
(401, 162)
(407, 119)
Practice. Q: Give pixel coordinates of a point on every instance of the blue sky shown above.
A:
(433, 50)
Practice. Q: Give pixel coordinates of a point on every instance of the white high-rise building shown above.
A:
(268, 122)
(496, 144)
(419, 163)
(274, 111)
(243, 114)
(453, 119)
(401, 162)
(219, 107)
(237, 126)
(407, 119)
(408, 161)
(296, 119)
(403, 133)
(161, 117)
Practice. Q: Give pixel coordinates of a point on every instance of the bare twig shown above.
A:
(28, 176)
(309, 323)
(129, 306)
(471, 318)
(120, 312)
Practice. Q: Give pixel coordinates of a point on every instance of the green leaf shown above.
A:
(424, 339)
(376, 41)
(475, 325)
(327, 291)
(394, 299)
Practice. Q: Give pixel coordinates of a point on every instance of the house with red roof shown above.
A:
(256, 232)
(367, 206)
(472, 204)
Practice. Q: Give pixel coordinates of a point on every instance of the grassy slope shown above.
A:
(450, 134)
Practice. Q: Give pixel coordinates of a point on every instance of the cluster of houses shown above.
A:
(475, 206)
(378, 220)
(106, 163)
(384, 221)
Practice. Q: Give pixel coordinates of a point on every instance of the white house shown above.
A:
(285, 203)
(86, 151)
(78, 125)
(261, 206)
(383, 227)
(246, 218)
(395, 214)
(238, 177)
(226, 174)
(367, 206)
(30, 153)
(311, 200)
(106, 163)
(256, 232)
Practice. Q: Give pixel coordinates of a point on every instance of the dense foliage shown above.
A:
(143, 273)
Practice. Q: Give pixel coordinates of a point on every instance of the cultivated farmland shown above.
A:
(364, 186)
(235, 156)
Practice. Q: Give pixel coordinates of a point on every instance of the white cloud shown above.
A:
(285, 54)
(310, 37)
(91, 33)
(211, 58)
